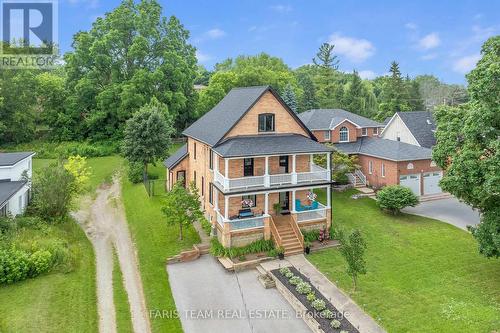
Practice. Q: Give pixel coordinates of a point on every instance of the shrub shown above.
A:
(310, 235)
(396, 197)
(14, 266)
(340, 177)
(311, 297)
(289, 275)
(303, 288)
(206, 226)
(318, 304)
(135, 172)
(295, 280)
(285, 270)
(40, 262)
(257, 246)
(335, 324)
(327, 314)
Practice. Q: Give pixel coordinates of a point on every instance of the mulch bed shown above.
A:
(323, 322)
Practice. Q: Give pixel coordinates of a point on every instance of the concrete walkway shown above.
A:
(352, 312)
(449, 210)
(210, 299)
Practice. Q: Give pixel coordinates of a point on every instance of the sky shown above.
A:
(442, 38)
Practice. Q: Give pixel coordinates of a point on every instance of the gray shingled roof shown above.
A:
(257, 145)
(323, 119)
(8, 189)
(216, 123)
(422, 125)
(386, 149)
(9, 159)
(176, 157)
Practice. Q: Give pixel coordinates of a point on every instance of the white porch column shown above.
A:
(226, 207)
(328, 196)
(267, 179)
(266, 203)
(226, 173)
(294, 171)
(293, 201)
(328, 165)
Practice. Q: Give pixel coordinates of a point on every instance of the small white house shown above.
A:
(14, 189)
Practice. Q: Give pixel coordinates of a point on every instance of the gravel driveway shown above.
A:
(210, 299)
(449, 210)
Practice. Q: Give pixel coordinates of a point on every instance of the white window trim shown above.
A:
(364, 131)
(370, 167)
(340, 134)
(327, 135)
(375, 131)
(383, 170)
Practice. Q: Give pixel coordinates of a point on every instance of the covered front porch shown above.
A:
(253, 214)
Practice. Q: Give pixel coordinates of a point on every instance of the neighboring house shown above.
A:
(14, 188)
(382, 161)
(247, 155)
(415, 127)
(335, 125)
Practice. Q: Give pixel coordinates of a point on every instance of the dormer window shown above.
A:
(344, 134)
(266, 122)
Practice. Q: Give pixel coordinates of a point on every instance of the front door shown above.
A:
(283, 164)
(285, 201)
(248, 167)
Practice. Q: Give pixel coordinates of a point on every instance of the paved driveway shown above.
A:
(448, 210)
(210, 299)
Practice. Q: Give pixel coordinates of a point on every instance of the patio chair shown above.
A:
(298, 205)
(314, 205)
(247, 212)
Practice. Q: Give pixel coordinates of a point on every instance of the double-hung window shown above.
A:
(344, 134)
(266, 122)
(327, 135)
(364, 131)
(370, 167)
(383, 170)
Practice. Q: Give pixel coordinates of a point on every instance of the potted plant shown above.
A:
(281, 252)
(277, 208)
(307, 247)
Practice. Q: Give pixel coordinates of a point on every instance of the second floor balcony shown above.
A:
(269, 171)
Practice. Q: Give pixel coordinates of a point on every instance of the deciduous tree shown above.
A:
(352, 248)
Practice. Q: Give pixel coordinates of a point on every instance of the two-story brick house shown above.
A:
(14, 186)
(383, 161)
(247, 155)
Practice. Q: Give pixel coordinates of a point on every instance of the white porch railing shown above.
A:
(281, 179)
(361, 176)
(238, 224)
(352, 178)
(316, 174)
(313, 214)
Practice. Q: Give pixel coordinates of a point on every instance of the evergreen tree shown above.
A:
(325, 57)
(289, 98)
(394, 94)
(308, 100)
(414, 98)
(354, 100)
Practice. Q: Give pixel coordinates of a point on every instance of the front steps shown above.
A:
(290, 242)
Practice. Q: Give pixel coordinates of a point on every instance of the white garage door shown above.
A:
(431, 182)
(411, 181)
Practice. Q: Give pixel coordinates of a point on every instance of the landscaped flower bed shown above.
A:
(328, 317)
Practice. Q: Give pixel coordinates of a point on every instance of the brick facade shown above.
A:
(354, 133)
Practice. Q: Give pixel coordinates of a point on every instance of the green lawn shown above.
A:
(155, 242)
(122, 306)
(58, 302)
(423, 275)
(55, 302)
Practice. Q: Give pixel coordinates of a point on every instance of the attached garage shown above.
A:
(431, 182)
(411, 181)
